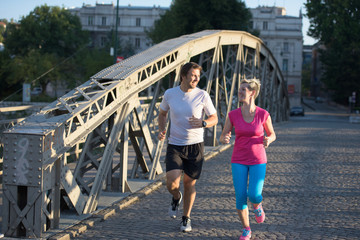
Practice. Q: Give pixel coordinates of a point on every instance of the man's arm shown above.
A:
(162, 122)
(210, 121)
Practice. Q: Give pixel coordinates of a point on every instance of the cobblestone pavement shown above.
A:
(312, 191)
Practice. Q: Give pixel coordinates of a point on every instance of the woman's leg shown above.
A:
(256, 183)
(240, 177)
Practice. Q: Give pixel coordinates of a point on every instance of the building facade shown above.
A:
(282, 34)
(100, 21)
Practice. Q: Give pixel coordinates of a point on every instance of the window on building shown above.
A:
(285, 65)
(103, 41)
(138, 22)
(286, 47)
(251, 23)
(103, 21)
(91, 20)
(265, 25)
(137, 42)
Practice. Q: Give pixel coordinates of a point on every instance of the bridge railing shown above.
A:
(106, 116)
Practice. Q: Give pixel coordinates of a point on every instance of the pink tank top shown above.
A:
(249, 148)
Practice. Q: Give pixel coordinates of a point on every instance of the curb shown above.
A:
(116, 207)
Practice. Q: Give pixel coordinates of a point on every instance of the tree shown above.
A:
(40, 46)
(336, 24)
(47, 29)
(186, 17)
(26, 69)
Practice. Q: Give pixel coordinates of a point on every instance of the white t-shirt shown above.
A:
(182, 106)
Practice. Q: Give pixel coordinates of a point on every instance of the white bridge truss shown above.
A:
(115, 113)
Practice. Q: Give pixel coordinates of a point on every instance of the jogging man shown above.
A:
(185, 150)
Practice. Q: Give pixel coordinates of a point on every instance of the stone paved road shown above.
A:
(312, 191)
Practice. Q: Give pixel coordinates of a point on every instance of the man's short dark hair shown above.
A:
(186, 68)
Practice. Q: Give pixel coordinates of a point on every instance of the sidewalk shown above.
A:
(311, 191)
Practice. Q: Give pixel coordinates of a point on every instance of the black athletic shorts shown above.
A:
(188, 158)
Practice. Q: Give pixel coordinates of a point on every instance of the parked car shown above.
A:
(319, 100)
(36, 91)
(297, 111)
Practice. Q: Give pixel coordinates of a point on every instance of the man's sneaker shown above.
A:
(174, 208)
(185, 224)
(246, 234)
(259, 214)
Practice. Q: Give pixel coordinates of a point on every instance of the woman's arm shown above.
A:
(226, 133)
(270, 133)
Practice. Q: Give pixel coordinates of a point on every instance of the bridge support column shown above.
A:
(31, 189)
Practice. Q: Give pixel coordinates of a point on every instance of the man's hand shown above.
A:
(195, 122)
(162, 135)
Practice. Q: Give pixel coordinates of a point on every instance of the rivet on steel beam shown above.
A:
(39, 183)
(15, 158)
(14, 181)
(39, 160)
(39, 168)
(39, 176)
(15, 150)
(14, 174)
(6, 166)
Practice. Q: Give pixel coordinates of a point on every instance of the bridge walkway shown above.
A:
(311, 191)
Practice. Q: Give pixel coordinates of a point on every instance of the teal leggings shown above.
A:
(241, 174)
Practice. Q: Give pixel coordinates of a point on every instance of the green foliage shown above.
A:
(47, 29)
(26, 69)
(186, 17)
(92, 61)
(336, 24)
(306, 78)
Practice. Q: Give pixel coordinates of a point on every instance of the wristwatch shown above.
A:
(204, 124)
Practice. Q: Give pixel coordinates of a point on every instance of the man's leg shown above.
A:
(173, 178)
(173, 185)
(189, 194)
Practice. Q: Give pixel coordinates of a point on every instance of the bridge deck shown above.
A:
(312, 191)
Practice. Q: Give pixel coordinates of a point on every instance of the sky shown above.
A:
(15, 9)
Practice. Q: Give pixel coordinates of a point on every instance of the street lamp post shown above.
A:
(116, 31)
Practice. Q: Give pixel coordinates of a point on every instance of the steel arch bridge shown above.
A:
(115, 112)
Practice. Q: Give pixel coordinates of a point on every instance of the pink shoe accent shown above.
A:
(259, 214)
(246, 234)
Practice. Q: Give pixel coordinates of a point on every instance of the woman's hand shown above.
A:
(266, 141)
(226, 138)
